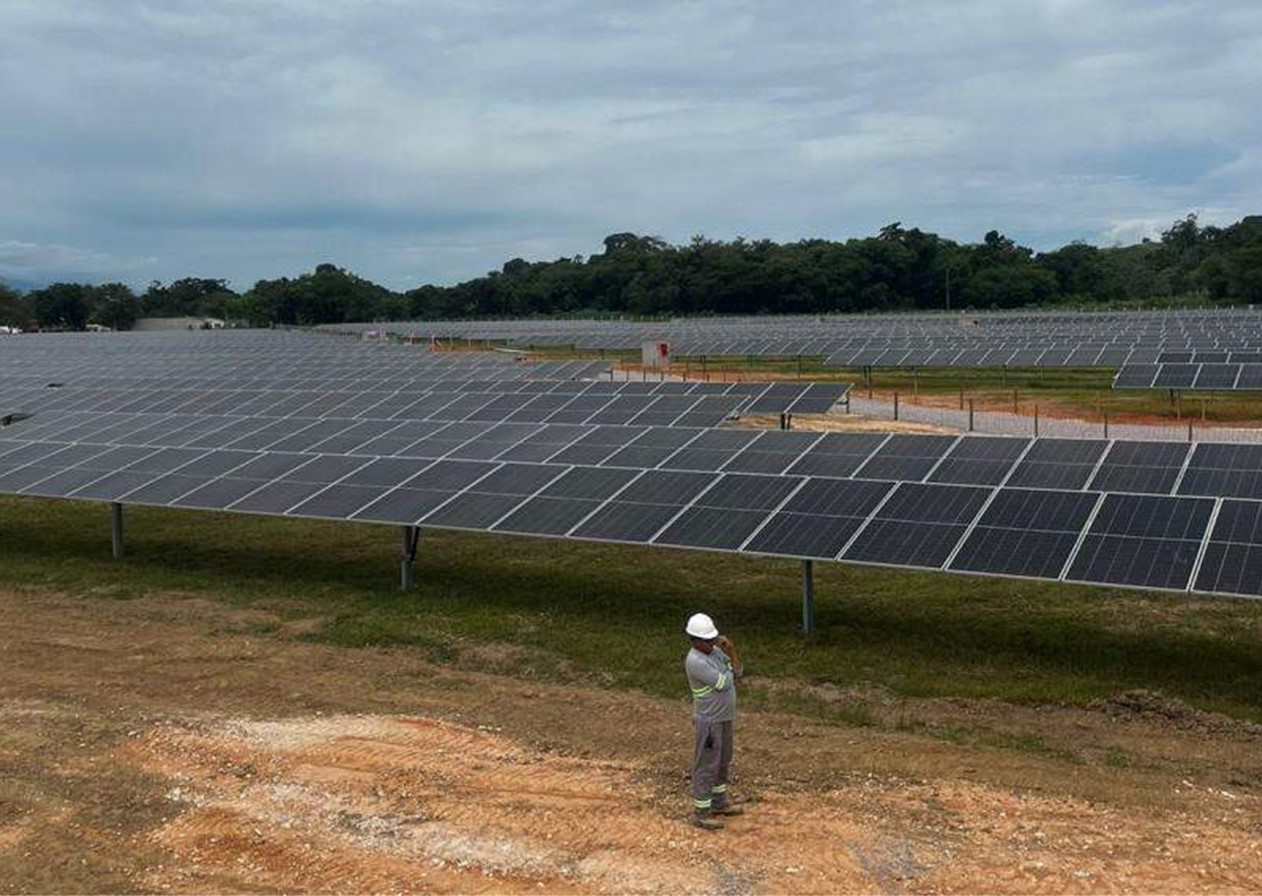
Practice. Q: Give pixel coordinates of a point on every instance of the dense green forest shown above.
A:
(898, 269)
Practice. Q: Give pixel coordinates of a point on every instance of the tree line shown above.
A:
(898, 269)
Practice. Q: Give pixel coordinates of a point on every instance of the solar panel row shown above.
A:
(1162, 468)
(1152, 541)
(1015, 339)
(1195, 376)
(642, 403)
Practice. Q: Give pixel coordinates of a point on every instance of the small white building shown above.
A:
(179, 323)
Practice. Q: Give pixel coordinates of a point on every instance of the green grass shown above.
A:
(612, 615)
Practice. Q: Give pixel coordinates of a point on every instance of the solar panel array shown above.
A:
(637, 403)
(1122, 513)
(1219, 350)
(1144, 514)
(319, 377)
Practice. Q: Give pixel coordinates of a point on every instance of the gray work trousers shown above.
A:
(710, 762)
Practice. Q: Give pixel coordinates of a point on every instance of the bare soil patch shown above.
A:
(170, 744)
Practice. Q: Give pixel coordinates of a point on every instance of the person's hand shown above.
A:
(724, 643)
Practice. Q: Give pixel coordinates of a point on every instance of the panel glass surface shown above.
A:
(1149, 467)
(919, 525)
(1149, 541)
(1233, 557)
(979, 460)
(1026, 532)
(1217, 469)
(1058, 463)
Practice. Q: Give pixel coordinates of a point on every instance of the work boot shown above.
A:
(727, 810)
(706, 821)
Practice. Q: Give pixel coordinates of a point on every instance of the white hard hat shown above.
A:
(701, 626)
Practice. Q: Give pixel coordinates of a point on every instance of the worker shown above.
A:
(712, 667)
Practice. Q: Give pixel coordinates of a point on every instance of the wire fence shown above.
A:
(973, 419)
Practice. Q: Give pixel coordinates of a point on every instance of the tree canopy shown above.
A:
(898, 269)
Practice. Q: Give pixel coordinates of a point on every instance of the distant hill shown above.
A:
(22, 285)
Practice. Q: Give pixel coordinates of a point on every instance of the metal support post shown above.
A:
(1036, 421)
(895, 405)
(808, 596)
(411, 535)
(970, 415)
(116, 529)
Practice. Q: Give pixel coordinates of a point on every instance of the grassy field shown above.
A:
(611, 615)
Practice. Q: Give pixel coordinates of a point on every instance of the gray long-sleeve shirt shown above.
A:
(713, 683)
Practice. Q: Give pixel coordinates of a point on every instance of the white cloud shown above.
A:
(20, 259)
(435, 140)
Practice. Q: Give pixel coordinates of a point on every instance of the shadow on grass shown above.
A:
(616, 612)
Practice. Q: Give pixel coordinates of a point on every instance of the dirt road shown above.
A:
(175, 744)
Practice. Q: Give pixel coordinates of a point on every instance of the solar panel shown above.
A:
(772, 452)
(729, 511)
(1175, 376)
(919, 525)
(277, 497)
(1217, 376)
(905, 457)
(1151, 467)
(1250, 377)
(1232, 563)
(1150, 541)
(1058, 463)
(710, 450)
(1026, 532)
(819, 518)
(645, 506)
(980, 460)
(338, 501)
(1223, 469)
(837, 454)
(1136, 376)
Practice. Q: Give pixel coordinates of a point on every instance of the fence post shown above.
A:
(895, 405)
(1106, 424)
(1189, 430)
(970, 415)
(1036, 421)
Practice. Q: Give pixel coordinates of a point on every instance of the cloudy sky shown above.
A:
(428, 141)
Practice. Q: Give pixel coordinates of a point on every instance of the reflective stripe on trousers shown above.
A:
(712, 757)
